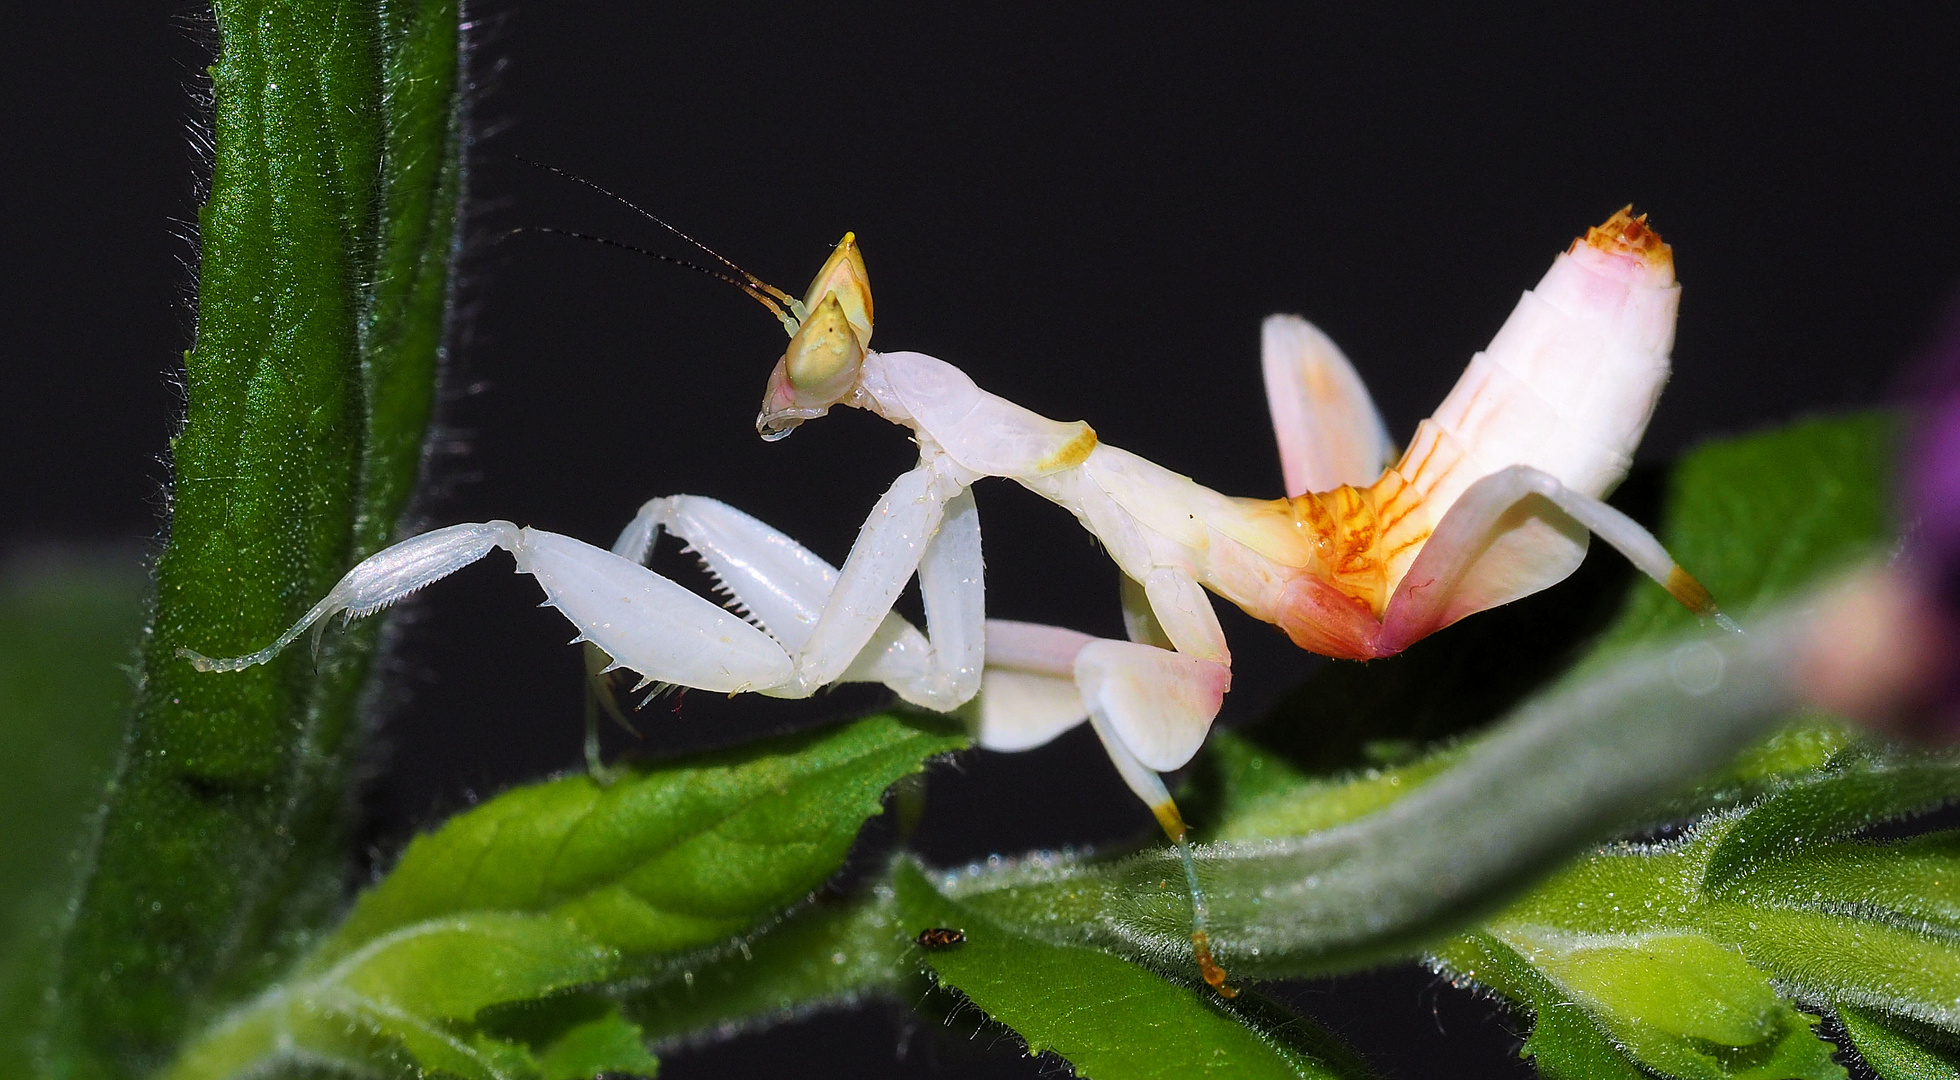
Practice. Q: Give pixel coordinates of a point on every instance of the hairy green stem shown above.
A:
(323, 292)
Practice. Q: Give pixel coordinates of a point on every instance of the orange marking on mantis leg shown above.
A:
(1214, 975)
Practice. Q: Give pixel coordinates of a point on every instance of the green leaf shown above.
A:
(1911, 883)
(1649, 948)
(663, 859)
(1842, 958)
(567, 884)
(830, 953)
(418, 988)
(323, 290)
(68, 626)
(1109, 1019)
(1898, 1051)
(1617, 1007)
(1758, 518)
(1270, 799)
(608, 1044)
(1679, 1003)
(1832, 806)
(1566, 1043)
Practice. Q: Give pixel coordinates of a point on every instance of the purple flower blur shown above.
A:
(1931, 490)
(1884, 643)
(1932, 465)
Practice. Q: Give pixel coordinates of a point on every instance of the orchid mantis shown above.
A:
(1493, 500)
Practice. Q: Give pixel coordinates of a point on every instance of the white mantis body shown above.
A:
(1493, 500)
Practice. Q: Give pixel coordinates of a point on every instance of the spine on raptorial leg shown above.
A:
(1570, 380)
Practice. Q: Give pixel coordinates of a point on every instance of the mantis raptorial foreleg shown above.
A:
(640, 619)
(1038, 680)
(925, 523)
(838, 626)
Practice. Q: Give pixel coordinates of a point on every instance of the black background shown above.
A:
(1088, 209)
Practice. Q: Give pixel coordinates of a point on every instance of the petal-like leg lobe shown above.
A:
(1028, 693)
(1160, 704)
(1512, 533)
(1329, 431)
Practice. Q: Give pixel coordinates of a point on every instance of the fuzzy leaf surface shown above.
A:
(664, 859)
(1657, 954)
(830, 953)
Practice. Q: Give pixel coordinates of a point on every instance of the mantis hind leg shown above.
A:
(1512, 533)
(1150, 787)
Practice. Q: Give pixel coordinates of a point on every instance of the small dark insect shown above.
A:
(940, 937)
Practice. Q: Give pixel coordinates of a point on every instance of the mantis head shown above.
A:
(830, 332)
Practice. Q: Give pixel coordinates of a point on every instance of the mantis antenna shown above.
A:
(750, 284)
(789, 321)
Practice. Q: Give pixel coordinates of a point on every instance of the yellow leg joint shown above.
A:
(1170, 819)
(1693, 594)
